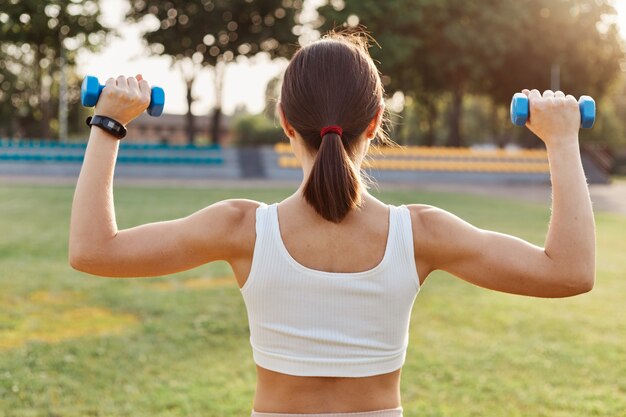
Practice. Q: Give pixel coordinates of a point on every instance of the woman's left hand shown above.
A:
(123, 99)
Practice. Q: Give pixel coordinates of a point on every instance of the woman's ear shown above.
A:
(376, 122)
(287, 128)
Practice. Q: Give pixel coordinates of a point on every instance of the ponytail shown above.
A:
(333, 80)
(333, 187)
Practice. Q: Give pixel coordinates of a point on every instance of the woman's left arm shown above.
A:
(96, 246)
(565, 266)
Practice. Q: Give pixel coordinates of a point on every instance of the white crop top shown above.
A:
(314, 323)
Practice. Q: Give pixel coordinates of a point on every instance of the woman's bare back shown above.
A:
(325, 246)
(356, 244)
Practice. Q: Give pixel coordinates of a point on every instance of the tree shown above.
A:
(272, 93)
(9, 94)
(36, 38)
(574, 35)
(434, 47)
(212, 33)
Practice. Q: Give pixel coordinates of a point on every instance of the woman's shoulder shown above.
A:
(242, 204)
(237, 217)
(431, 223)
(239, 212)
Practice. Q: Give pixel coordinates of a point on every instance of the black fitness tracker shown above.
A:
(111, 126)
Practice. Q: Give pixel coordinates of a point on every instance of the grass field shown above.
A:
(77, 345)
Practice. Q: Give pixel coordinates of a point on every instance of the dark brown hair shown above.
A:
(333, 81)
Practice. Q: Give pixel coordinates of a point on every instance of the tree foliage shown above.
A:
(255, 130)
(212, 33)
(37, 37)
(434, 48)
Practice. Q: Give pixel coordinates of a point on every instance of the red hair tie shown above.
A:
(331, 129)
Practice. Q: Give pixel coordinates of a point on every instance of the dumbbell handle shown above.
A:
(520, 110)
(91, 88)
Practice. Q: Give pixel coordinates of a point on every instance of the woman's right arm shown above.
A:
(566, 265)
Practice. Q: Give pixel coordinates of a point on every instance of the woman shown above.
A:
(329, 274)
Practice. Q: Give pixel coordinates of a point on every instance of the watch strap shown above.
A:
(109, 125)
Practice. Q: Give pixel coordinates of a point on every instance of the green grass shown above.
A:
(77, 345)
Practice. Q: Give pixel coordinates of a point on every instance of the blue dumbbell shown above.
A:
(520, 110)
(91, 89)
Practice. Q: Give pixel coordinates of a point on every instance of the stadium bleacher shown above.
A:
(442, 159)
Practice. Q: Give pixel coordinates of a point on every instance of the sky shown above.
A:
(244, 82)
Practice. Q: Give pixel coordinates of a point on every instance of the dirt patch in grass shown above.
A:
(56, 316)
(201, 283)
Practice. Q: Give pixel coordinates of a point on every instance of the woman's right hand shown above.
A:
(123, 99)
(554, 117)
